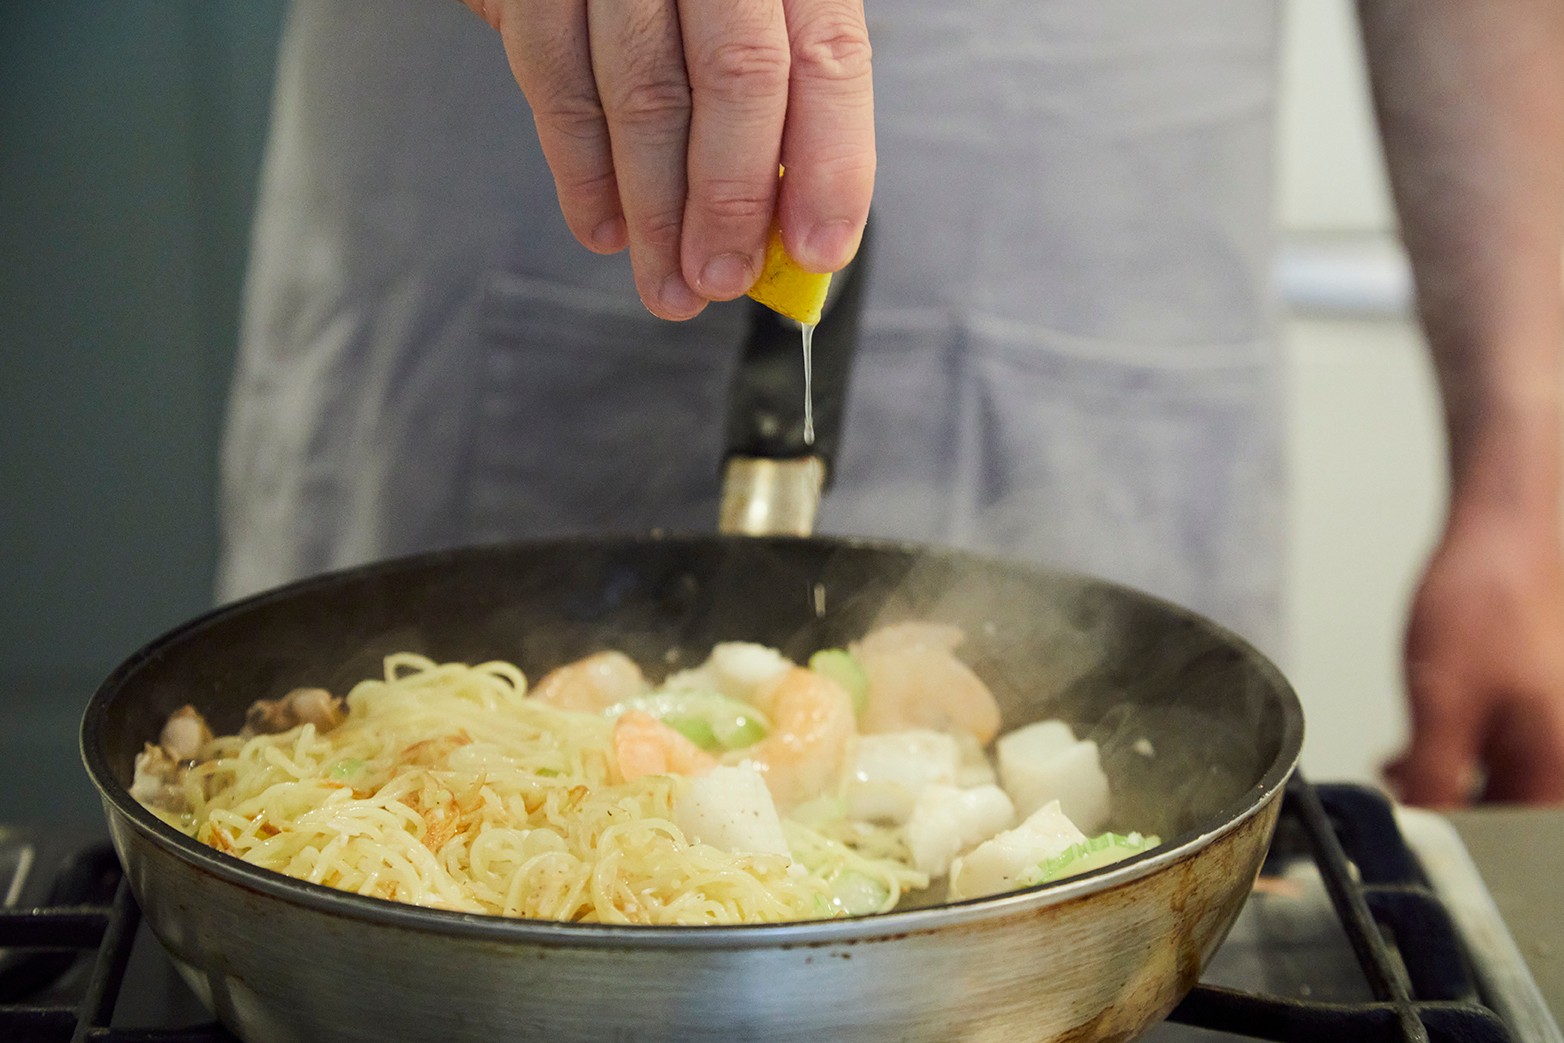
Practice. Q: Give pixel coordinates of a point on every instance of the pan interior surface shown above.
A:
(1193, 724)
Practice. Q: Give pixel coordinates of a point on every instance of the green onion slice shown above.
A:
(711, 721)
(1099, 851)
(839, 665)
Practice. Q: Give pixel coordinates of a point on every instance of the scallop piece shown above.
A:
(1004, 862)
(890, 771)
(1045, 762)
(947, 821)
(730, 808)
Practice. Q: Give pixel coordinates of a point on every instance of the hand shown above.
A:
(664, 122)
(1485, 670)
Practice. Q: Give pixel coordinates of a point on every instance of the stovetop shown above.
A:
(1367, 924)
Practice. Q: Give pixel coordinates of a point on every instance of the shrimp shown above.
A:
(593, 684)
(812, 728)
(916, 681)
(643, 745)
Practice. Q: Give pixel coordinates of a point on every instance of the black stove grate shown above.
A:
(1399, 930)
(1402, 935)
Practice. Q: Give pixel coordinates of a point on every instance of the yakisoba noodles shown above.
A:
(598, 797)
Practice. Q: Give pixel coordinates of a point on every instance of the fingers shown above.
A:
(1440, 767)
(638, 60)
(737, 55)
(663, 122)
(828, 145)
(549, 51)
(1525, 753)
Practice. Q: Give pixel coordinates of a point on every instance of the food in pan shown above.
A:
(750, 789)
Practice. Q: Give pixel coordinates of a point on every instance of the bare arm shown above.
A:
(1471, 106)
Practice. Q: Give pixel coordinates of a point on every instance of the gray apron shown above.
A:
(1069, 348)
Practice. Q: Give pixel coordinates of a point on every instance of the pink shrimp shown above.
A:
(643, 745)
(812, 727)
(916, 681)
(593, 684)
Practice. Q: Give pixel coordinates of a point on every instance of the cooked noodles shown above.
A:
(446, 787)
(455, 787)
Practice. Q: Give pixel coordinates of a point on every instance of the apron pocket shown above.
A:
(596, 415)
(1157, 466)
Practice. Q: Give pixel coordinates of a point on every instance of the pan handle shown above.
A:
(772, 478)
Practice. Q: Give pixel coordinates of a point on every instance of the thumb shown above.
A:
(1439, 767)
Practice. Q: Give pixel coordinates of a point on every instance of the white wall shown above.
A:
(1330, 176)
(1366, 447)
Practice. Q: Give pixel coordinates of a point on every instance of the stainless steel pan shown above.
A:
(1096, 957)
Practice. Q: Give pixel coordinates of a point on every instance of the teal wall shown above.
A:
(130, 140)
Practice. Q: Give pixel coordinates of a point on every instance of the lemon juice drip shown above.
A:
(809, 380)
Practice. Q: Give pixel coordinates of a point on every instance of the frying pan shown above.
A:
(1198, 733)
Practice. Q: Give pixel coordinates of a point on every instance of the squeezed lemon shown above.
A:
(799, 294)
(786, 288)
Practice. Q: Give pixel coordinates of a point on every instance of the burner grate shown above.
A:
(1401, 934)
(64, 952)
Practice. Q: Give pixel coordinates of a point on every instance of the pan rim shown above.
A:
(235, 872)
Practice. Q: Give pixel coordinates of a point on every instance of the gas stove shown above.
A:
(1368, 923)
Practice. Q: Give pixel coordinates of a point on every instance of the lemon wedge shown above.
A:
(786, 288)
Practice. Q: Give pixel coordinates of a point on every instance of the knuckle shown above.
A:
(727, 199)
(599, 184)
(832, 46)
(547, 63)
(660, 229)
(742, 68)
(575, 116)
(846, 162)
(651, 103)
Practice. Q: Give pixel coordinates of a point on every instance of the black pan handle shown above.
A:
(766, 405)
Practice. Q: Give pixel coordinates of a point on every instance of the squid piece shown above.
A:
(737, 669)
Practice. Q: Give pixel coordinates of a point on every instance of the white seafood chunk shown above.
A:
(1004, 862)
(947, 821)
(1043, 762)
(736, 669)
(730, 807)
(890, 770)
(976, 769)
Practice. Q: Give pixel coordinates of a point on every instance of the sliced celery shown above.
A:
(711, 721)
(1099, 851)
(857, 894)
(344, 769)
(839, 665)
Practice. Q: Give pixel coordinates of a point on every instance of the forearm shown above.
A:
(1471, 107)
